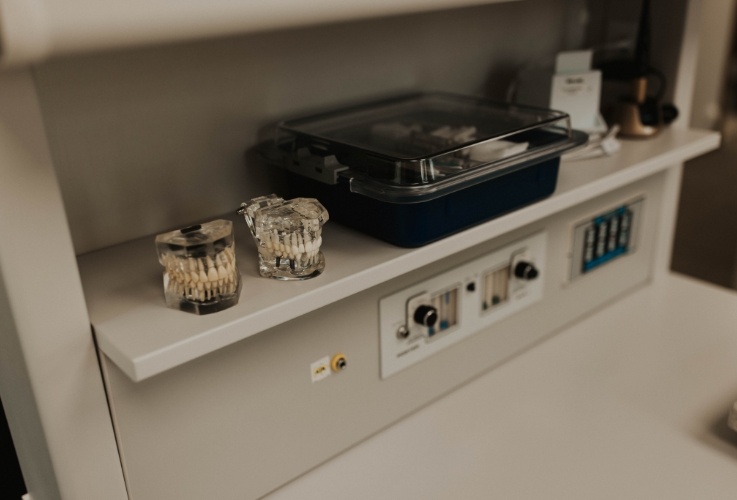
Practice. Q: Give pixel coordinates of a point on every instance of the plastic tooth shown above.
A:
(293, 246)
(222, 272)
(212, 277)
(225, 255)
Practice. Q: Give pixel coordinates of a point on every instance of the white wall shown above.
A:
(150, 139)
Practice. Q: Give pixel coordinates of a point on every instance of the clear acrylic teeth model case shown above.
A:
(200, 273)
(288, 234)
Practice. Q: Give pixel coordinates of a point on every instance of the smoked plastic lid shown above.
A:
(196, 241)
(422, 146)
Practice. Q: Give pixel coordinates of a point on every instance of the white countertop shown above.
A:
(630, 403)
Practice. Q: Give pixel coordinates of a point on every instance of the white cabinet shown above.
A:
(132, 119)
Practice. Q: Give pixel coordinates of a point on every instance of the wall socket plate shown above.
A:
(465, 300)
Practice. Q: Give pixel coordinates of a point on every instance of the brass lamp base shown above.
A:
(630, 121)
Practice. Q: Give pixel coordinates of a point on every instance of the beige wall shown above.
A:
(150, 139)
(717, 20)
(705, 244)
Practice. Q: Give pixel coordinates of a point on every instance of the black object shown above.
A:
(426, 316)
(526, 271)
(641, 113)
(11, 478)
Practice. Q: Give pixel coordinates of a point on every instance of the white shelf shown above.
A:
(143, 338)
(31, 31)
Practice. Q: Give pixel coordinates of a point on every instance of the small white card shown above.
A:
(574, 61)
(578, 95)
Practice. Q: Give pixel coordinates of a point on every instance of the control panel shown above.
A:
(604, 237)
(427, 317)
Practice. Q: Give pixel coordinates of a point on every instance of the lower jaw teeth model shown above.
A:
(288, 234)
(200, 274)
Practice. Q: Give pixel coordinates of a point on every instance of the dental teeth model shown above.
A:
(200, 271)
(288, 234)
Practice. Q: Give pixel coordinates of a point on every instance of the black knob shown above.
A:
(426, 315)
(525, 270)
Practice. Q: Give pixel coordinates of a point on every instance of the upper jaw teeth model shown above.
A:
(288, 234)
(200, 270)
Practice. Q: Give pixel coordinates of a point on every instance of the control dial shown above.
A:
(525, 270)
(426, 315)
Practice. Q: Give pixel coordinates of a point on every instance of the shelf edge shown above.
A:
(141, 367)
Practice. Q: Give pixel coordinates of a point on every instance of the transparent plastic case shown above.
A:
(288, 234)
(200, 272)
(420, 147)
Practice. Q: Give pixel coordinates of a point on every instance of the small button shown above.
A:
(402, 332)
